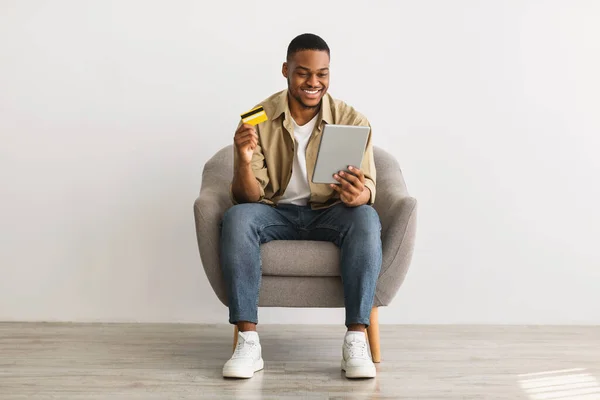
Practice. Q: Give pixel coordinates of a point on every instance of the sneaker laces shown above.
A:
(244, 349)
(357, 349)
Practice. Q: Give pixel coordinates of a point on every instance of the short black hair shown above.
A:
(306, 41)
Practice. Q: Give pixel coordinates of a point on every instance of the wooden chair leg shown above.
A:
(235, 336)
(373, 335)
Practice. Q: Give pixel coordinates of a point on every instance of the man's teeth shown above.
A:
(311, 91)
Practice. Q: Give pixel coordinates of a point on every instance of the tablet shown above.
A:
(341, 146)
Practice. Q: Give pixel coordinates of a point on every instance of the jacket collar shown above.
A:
(282, 107)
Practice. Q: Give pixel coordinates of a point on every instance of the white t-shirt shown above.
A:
(298, 190)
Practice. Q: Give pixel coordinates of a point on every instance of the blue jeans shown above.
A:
(356, 231)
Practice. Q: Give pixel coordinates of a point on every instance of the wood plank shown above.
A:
(152, 361)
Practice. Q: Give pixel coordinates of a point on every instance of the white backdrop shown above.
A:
(109, 109)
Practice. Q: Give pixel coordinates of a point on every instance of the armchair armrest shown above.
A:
(209, 208)
(397, 212)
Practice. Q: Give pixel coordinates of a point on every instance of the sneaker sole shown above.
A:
(243, 372)
(359, 372)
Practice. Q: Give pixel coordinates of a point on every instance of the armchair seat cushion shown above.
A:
(300, 258)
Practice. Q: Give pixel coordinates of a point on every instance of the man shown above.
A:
(275, 200)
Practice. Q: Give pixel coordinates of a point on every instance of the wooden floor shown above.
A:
(128, 361)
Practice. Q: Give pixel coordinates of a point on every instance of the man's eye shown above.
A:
(322, 75)
(303, 75)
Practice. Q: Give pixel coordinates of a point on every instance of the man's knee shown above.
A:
(241, 215)
(365, 219)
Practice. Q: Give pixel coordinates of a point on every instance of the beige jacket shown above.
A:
(274, 156)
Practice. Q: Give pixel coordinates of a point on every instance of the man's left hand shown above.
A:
(352, 189)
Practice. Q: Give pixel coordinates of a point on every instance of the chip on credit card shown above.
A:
(255, 116)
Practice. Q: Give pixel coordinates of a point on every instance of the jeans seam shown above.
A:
(261, 228)
(258, 294)
(340, 233)
(260, 262)
(333, 228)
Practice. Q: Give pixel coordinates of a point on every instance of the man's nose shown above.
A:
(313, 81)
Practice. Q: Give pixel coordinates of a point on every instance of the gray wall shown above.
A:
(109, 109)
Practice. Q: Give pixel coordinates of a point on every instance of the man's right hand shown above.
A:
(245, 141)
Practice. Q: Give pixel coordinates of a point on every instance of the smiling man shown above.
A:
(275, 200)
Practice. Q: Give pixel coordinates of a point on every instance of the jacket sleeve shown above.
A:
(368, 164)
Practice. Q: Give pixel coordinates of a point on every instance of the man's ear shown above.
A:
(284, 69)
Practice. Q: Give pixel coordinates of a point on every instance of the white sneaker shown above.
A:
(246, 358)
(355, 357)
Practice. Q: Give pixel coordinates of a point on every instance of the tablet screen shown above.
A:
(341, 146)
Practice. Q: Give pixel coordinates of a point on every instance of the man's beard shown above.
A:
(299, 100)
(307, 107)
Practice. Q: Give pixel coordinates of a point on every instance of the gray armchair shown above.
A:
(306, 273)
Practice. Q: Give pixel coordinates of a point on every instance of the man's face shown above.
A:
(307, 74)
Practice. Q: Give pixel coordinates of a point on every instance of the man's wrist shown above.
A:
(365, 196)
(243, 165)
(362, 198)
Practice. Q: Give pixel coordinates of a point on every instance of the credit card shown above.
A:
(255, 116)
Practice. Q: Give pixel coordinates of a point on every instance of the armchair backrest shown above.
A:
(218, 172)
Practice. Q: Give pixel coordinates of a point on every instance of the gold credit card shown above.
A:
(255, 116)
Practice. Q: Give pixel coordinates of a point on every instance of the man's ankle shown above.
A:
(245, 326)
(356, 328)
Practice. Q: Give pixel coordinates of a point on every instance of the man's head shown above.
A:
(307, 70)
